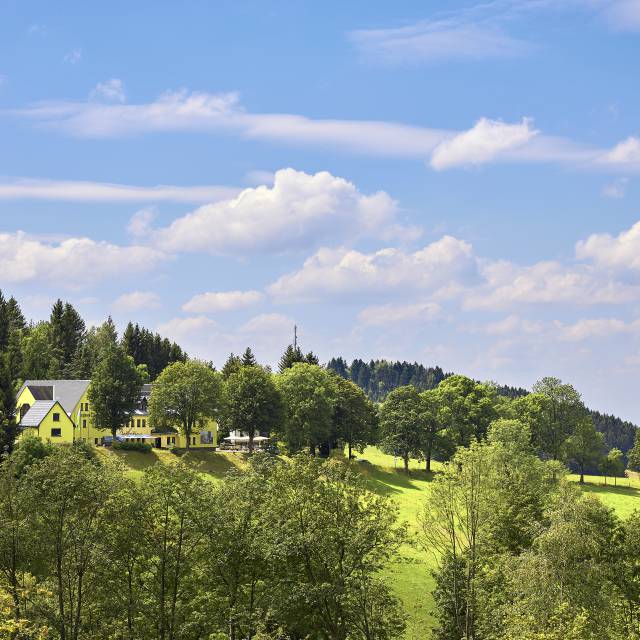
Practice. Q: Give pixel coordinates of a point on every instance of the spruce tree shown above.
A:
(232, 365)
(290, 356)
(248, 359)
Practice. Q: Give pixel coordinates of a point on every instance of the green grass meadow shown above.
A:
(410, 575)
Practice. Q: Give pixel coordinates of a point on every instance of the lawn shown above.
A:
(410, 575)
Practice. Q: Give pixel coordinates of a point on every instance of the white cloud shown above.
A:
(140, 223)
(70, 263)
(298, 212)
(180, 329)
(616, 189)
(268, 324)
(73, 57)
(137, 300)
(614, 252)
(436, 40)
(109, 91)
(510, 325)
(481, 144)
(83, 191)
(398, 314)
(596, 328)
(548, 282)
(213, 302)
(391, 271)
(625, 153)
(216, 113)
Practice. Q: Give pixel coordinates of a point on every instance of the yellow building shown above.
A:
(59, 411)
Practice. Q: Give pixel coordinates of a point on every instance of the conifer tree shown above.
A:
(248, 359)
(290, 356)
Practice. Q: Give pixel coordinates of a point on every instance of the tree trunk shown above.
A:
(250, 442)
(312, 450)
(405, 458)
(428, 463)
(581, 476)
(349, 451)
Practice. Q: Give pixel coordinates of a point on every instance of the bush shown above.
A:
(129, 445)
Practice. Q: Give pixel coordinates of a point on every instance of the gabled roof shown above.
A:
(66, 392)
(37, 413)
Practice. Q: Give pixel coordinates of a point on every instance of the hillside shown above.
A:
(410, 575)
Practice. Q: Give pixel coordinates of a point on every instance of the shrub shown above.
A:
(129, 445)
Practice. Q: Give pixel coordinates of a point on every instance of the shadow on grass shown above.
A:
(590, 487)
(385, 481)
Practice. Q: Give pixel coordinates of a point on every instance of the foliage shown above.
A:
(585, 446)
(378, 377)
(114, 392)
(252, 403)
(186, 395)
(355, 418)
(129, 445)
(401, 431)
(308, 394)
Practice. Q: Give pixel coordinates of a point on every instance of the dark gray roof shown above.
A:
(66, 392)
(37, 413)
(40, 392)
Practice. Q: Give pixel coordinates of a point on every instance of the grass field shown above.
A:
(410, 576)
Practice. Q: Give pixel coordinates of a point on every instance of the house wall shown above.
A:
(44, 430)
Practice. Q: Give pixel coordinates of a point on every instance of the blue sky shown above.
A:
(453, 183)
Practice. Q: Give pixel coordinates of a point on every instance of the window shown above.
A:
(56, 432)
(96, 441)
(84, 424)
(144, 423)
(138, 423)
(193, 440)
(56, 418)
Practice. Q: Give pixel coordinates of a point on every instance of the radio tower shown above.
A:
(295, 336)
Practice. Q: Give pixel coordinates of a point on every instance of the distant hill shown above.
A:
(378, 377)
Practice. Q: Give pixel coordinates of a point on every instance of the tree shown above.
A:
(612, 465)
(8, 427)
(252, 402)
(186, 395)
(432, 426)
(354, 417)
(290, 356)
(468, 408)
(633, 456)
(115, 389)
(233, 364)
(401, 429)
(248, 359)
(308, 395)
(585, 446)
(333, 537)
(561, 416)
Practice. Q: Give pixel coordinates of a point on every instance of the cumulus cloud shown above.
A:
(297, 212)
(109, 91)
(614, 252)
(391, 271)
(626, 152)
(549, 282)
(399, 314)
(181, 329)
(212, 302)
(137, 300)
(72, 262)
(482, 143)
(85, 191)
(268, 324)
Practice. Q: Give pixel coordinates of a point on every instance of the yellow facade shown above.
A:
(79, 426)
(56, 427)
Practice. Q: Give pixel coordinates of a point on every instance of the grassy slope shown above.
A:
(410, 575)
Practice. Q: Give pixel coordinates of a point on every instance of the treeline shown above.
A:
(279, 550)
(63, 347)
(378, 377)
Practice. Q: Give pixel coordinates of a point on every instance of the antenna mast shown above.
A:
(295, 336)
